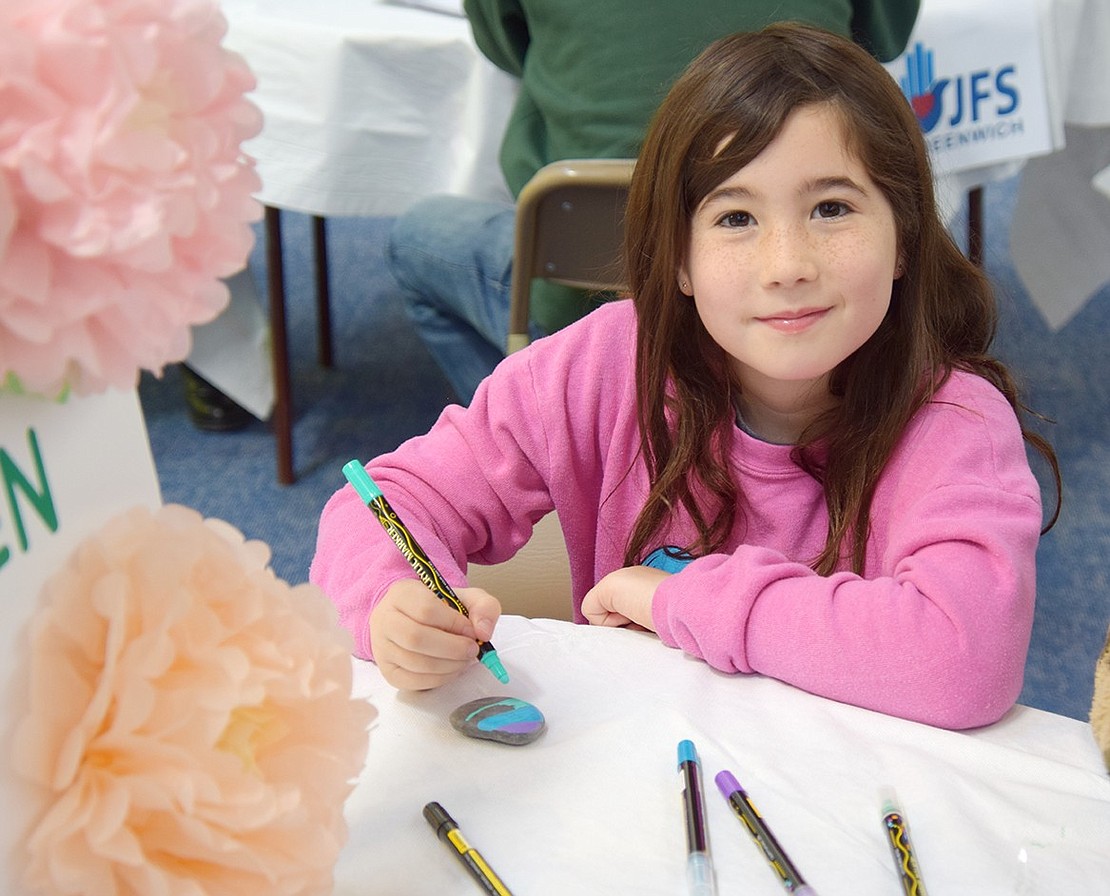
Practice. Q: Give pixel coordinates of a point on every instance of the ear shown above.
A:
(684, 284)
(900, 267)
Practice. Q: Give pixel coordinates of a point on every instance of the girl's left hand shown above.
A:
(624, 598)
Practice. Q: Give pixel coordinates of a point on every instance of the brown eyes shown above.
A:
(830, 208)
(735, 219)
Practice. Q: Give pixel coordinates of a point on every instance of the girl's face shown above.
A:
(791, 260)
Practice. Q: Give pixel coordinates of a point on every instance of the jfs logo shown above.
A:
(979, 102)
(964, 99)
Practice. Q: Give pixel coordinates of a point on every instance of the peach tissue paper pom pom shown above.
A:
(124, 194)
(190, 718)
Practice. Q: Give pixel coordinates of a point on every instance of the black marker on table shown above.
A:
(449, 833)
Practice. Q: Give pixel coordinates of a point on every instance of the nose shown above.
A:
(787, 256)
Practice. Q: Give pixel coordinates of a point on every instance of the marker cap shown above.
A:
(727, 783)
(492, 662)
(687, 752)
(366, 487)
(438, 818)
(699, 875)
(888, 799)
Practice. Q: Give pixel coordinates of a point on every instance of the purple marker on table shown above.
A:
(745, 810)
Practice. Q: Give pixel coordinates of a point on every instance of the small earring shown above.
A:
(685, 285)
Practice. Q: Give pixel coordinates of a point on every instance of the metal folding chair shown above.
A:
(569, 228)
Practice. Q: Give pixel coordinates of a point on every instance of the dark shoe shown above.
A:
(209, 409)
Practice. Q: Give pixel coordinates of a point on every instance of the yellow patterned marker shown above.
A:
(898, 835)
(398, 532)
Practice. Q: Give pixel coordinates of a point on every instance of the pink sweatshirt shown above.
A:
(936, 631)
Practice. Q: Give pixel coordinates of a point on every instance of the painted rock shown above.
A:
(506, 720)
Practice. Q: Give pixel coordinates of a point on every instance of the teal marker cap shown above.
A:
(687, 752)
(366, 487)
(492, 662)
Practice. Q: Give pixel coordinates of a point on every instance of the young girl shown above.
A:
(789, 453)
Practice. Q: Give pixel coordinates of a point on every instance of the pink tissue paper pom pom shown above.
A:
(124, 194)
(190, 718)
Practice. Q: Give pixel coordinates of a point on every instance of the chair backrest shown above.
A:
(536, 581)
(569, 228)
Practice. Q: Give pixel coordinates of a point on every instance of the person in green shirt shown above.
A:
(592, 73)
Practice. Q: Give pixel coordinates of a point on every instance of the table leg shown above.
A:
(323, 293)
(283, 397)
(975, 225)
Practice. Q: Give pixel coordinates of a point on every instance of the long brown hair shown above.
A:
(729, 104)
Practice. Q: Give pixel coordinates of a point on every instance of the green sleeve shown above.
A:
(884, 26)
(500, 30)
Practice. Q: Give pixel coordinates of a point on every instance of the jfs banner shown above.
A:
(974, 73)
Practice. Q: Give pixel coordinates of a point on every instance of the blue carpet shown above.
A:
(385, 388)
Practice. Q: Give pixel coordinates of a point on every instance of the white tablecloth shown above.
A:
(593, 806)
(367, 105)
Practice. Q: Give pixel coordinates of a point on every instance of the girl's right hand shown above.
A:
(421, 642)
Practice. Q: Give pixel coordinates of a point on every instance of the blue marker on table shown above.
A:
(699, 865)
(370, 493)
(745, 810)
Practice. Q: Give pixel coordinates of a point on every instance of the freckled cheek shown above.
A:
(712, 267)
(873, 293)
(865, 264)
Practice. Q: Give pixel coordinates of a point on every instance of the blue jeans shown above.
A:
(452, 257)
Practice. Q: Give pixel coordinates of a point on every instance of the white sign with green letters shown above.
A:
(65, 470)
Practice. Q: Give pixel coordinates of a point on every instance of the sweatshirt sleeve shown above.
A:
(500, 30)
(471, 489)
(938, 628)
(537, 436)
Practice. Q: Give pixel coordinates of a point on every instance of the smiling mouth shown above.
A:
(794, 321)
